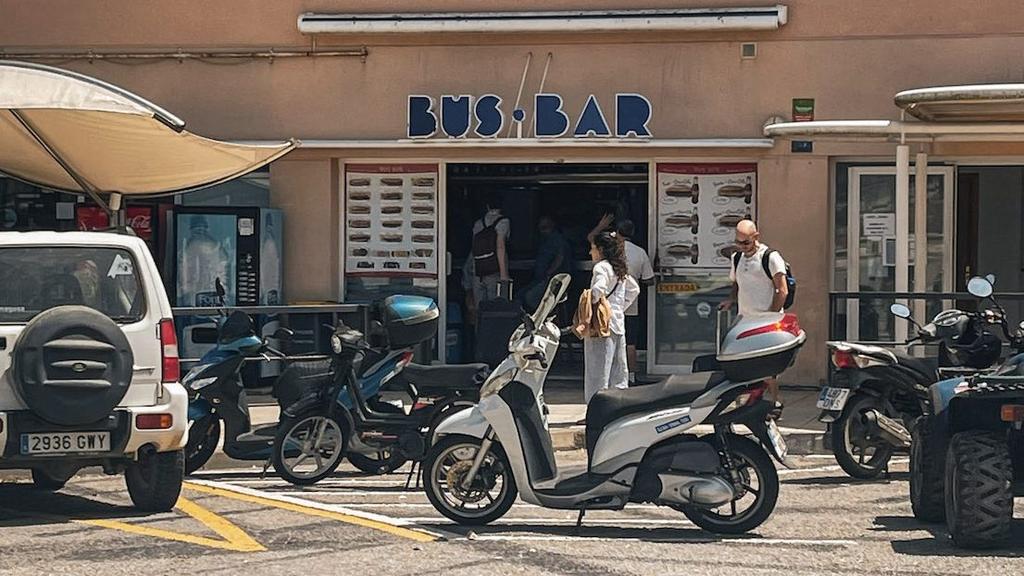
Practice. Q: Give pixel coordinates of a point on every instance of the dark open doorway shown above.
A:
(576, 196)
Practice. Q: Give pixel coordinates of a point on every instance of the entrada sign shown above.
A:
(484, 116)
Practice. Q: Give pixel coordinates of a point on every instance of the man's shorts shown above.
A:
(633, 328)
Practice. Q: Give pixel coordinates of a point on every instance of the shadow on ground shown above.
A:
(23, 505)
(939, 543)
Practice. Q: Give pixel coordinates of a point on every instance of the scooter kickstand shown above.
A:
(266, 466)
(579, 522)
(408, 479)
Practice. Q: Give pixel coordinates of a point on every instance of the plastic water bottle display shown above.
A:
(203, 261)
(270, 263)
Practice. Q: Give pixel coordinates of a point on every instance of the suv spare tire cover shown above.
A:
(72, 365)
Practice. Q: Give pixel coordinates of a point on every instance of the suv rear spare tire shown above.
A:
(72, 365)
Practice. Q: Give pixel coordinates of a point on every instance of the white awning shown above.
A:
(69, 132)
(972, 103)
(895, 131)
(688, 19)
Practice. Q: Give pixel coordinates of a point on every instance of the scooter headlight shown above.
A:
(496, 382)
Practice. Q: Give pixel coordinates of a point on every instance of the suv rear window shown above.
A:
(37, 278)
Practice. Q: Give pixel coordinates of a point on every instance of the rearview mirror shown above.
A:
(219, 287)
(991, 279)
(284, 334)
(979, 287)
(900, 311)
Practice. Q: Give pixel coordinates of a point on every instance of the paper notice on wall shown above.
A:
(878, 224)
(699, 206)
(391, 220)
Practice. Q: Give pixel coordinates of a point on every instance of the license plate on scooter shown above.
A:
(777, 440)
(833, 399)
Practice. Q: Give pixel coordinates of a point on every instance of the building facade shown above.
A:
(662, 125)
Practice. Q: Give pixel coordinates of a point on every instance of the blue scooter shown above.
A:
(216, 392)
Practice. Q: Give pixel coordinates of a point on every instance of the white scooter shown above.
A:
(637, 442)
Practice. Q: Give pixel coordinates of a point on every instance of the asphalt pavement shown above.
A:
(233, 521)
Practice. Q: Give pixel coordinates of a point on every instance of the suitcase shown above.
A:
(495, 322)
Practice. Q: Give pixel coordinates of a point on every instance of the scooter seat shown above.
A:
(925, 366)
(609, 405)
(461, 376)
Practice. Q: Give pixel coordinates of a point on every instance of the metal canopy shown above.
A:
(973, 113)
(973, 103)
(68, 132)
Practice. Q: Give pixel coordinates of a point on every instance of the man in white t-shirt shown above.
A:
(752, 289)
(639, 265)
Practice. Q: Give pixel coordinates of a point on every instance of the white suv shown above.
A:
(89, 364)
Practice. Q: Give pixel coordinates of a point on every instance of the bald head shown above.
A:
(747, 237)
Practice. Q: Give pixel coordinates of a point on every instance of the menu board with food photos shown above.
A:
(391, 220)
(699, 206)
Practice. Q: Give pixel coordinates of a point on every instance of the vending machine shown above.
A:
(239, 245)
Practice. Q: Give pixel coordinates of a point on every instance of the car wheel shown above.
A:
(979, 499)
(154, 481)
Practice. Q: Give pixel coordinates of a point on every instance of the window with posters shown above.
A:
(390, 230)
(699, 205)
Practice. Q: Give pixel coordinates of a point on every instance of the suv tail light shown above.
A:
(789, 323)
(1012, 413)
(171, 368)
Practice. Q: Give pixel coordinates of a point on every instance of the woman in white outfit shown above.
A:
(605, 358)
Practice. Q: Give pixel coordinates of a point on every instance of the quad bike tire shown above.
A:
(927, 472)
(978, 494)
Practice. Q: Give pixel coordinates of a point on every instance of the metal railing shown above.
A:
(311, 335)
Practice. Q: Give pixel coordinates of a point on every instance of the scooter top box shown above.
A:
(761, 346)
(409, 320)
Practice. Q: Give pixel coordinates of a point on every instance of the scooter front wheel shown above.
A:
(308, 448)
(203, 437)
(488, 496)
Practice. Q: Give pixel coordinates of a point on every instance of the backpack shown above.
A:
(790, 279)
(485, 249)
(593, 319)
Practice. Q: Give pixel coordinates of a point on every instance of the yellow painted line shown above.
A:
(401, 531)
(233, 538)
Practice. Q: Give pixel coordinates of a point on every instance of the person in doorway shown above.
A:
(639, 265)
(553, 257)
(752, 289)
(486, 267)
(605, 358)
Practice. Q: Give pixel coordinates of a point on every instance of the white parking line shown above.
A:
(597, 523)
(710, 540)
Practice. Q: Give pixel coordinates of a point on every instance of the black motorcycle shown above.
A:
(349, 415)
(876, 393)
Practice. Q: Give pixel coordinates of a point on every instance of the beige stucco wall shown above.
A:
(850, 56)
(303, 189)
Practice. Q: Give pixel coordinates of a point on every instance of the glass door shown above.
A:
(872, 249)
